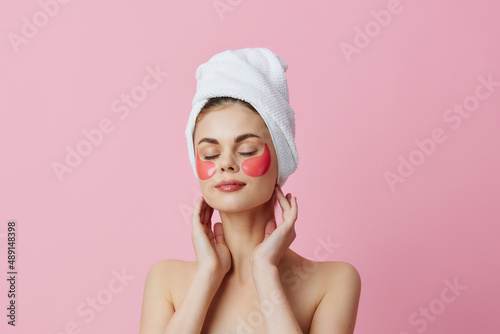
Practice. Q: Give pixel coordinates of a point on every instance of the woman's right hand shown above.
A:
(212, 253)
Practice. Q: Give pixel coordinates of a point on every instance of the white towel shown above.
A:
(257, 76)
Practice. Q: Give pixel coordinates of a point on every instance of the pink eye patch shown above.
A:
(205, 169)
(256, 166)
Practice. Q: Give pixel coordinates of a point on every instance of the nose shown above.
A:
(228, 163)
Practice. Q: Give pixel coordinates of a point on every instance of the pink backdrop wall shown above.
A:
(398, 112)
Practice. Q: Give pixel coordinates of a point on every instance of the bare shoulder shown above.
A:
(169, 266)
(341, 271)
(339, 276)
(339, 287)
(171, 269)
(159, 294)
(329, 273)
(342, 284)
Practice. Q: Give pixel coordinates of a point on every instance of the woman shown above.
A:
(246, 279)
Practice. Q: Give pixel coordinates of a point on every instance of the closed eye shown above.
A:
(242, 153)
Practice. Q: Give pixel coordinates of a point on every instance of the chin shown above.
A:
(234, 204)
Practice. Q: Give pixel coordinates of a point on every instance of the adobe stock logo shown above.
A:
(429, 313)
(186, 211)
(97, 303)
(223, 6)
(373, 28)
(30, 28)
(455, 116)
(94, 137)
(295, 276)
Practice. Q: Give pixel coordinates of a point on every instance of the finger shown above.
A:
(294, 209)
(203, 210)
(196, 213)
(219, 233)
(208, 224)
(270, 227)
(206, 208)
(285, 205)
(211, 237)
(207, 215)
(295, 206)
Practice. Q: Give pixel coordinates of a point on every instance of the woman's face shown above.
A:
(233, 143)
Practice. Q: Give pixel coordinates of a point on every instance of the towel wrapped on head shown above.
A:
(256, 76)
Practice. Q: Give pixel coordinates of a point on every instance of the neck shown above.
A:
(243, 231)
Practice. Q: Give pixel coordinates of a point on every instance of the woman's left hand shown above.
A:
(277, 239)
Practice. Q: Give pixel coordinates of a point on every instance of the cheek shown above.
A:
(257, 166)
(205, 169)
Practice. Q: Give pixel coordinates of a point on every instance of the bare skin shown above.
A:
(246, 278)
(234, 301)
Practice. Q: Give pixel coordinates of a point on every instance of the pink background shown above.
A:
(128, 203)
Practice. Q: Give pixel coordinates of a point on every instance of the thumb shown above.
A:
(270, 227)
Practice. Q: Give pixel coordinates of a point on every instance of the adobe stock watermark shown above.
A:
(256, 317)
(97, 303)
(221, 7)
(31, 27)
(186, 211)
(122, 108)
(363, 37)
(421, 318)
(453, 117)
(297, 274)
(294, 276)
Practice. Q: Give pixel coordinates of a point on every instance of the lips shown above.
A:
(229, 183)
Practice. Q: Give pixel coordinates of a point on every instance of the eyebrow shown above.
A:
(236, 140)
